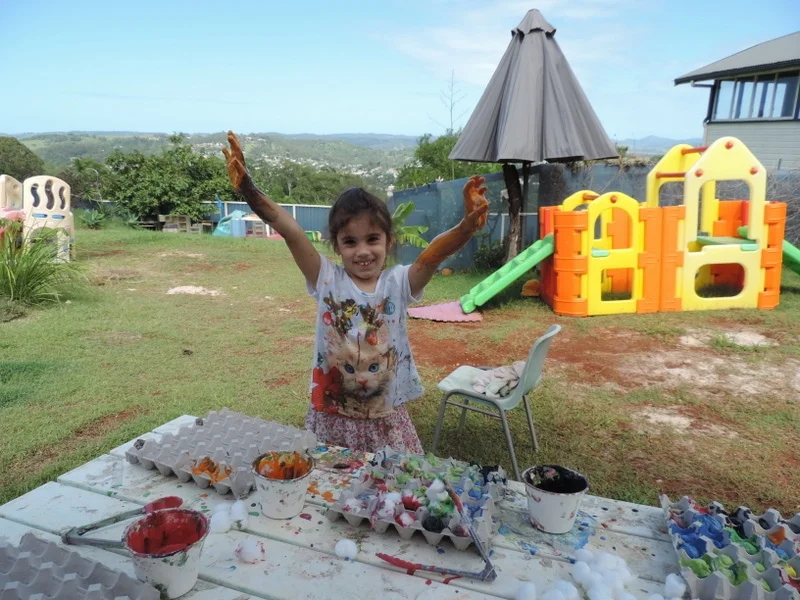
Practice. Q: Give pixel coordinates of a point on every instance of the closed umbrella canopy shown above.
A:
(533, 109)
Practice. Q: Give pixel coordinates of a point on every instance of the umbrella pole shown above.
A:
(526, 173)
(511, 176)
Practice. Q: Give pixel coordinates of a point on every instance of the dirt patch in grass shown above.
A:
(239, 267)
(115, 275)
(201, 267)
(279, 382)
(679, 420)
(99, 427)
(602, 356)
(106, 253)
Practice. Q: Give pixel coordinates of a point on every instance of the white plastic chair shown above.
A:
(46, 201)
(10, 193)
(459, 383)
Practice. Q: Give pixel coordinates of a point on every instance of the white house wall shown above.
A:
(775, 144)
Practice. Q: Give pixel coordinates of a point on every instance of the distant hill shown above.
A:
(652, 144)
(350, 151)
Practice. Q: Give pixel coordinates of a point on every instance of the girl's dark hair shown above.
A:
(354, 203)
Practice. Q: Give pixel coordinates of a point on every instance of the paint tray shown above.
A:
(40, 569)
(218, 450)
(738, 556)
(409, 475)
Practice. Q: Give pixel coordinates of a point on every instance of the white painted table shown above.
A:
(300, 559)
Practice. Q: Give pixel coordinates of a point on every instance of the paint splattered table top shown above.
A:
(300, 561)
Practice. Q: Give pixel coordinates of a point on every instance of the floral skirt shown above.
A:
(366, 435)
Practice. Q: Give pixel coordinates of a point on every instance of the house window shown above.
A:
(768, 96)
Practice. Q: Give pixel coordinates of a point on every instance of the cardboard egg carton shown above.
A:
(40, 569)
(362, 502)
(232, 440)
(760, 566)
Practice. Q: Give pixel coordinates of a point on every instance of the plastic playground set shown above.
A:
(602, 254)
(43, 203)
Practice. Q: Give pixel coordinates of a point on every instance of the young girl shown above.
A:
(363, 372)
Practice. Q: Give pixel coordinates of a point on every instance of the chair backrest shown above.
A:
(46, 197)
(10, 193)
(532, 372)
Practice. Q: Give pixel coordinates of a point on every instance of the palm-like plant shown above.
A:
(30, 271)
(407, 234)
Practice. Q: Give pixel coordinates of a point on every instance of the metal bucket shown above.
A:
(281, 498)
(165, 547)
(554, 496)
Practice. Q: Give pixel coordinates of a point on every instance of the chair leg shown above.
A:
(510, 444)
(530, 424)
(439, 423)
(463, 416)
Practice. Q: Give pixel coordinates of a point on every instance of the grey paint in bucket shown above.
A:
(554, 496)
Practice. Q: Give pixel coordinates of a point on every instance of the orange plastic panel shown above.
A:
(569, 264)
(650, 260)
(671, 257)
(772, 255)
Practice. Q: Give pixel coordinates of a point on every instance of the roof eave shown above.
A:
(734, 72)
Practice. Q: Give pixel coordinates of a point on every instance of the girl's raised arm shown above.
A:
(303, 251)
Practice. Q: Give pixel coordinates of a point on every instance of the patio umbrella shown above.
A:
(532, 110)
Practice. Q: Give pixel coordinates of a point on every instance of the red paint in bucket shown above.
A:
(166, 532)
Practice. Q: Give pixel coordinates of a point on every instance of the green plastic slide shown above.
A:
(507, 274)
(791, 253)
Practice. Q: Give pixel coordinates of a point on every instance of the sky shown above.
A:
(308, 66)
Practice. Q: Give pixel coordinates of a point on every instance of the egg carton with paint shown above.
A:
(402, 467)
(720, 561)
(218, 450)
(37, 568)
(416, 507)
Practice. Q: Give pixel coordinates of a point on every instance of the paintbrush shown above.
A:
(466, 519)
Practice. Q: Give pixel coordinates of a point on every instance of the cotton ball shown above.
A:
(592, 579)
(526, 591)
(600, 591)
(626, 575)
(581, 571)
(613, 580)
(674, 587)
(655, 597)
(607, 560)
(434, 489)
(220, 522)
(393, 497)
(553, 594)
(238, 514)
(221, 507)
(569, 591)
(346, 549)
(584, 556)
(250, 551)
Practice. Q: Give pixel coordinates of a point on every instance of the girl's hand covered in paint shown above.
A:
(476, 206)
(234, 159)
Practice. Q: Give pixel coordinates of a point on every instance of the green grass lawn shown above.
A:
(641, 404)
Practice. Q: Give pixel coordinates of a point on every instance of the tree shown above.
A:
(450, 97)
(407, 234)
(17, 160)
(431, 163)
(176, 181)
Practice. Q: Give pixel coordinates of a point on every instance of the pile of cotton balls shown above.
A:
(227, 515)
(603, 577)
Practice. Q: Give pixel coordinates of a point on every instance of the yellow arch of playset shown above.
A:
(616, 255)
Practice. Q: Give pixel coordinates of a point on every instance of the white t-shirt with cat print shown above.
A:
(363, 366)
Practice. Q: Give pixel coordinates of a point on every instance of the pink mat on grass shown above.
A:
(448, 312)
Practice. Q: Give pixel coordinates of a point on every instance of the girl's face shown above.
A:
(363, 247)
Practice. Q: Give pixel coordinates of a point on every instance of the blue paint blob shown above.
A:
(504, 529)
(528, 547)
(440, 550)
(321, 449)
